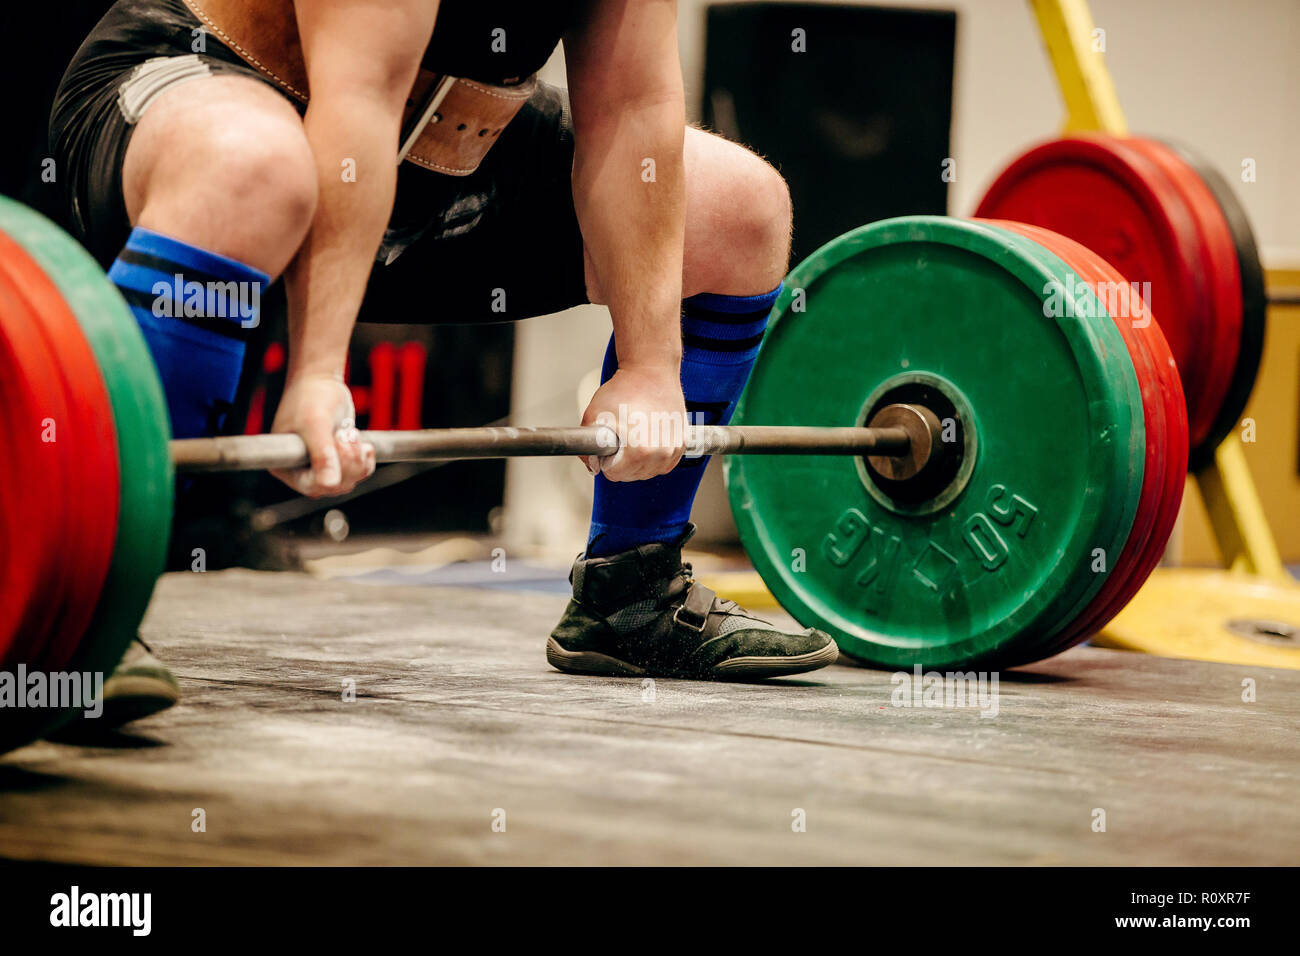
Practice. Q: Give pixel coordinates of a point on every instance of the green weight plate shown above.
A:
(140, 416)
(1051, 444)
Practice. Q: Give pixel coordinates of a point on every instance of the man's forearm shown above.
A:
(355, 144)
(630, 194)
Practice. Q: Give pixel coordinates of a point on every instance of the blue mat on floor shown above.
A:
(516, 576)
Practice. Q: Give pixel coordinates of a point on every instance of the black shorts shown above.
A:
(498, 245)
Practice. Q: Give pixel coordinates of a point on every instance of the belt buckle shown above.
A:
(423, 118)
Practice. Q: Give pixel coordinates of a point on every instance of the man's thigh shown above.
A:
(139, 51)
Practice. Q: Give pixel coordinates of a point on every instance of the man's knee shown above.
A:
(270, 177)
(765, 217)
(739, 212)
(233, 175)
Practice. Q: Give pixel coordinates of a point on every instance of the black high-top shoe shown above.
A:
(640, 613)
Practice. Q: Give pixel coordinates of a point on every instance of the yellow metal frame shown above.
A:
(1236, 515)
(1091, 105)
(1081, 73)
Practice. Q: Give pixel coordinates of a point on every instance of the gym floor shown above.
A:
(459, 724)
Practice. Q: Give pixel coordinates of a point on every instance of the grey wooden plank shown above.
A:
(458, 714)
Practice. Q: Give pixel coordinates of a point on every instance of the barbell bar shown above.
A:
(908, 441)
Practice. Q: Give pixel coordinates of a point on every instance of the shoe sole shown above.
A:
(130, 698)
(588, 662)
(736, 668)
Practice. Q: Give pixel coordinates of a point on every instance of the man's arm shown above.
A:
(362, 57)
(629, 118)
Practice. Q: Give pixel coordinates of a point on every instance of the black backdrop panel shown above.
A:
(858, 121)
(36, 43)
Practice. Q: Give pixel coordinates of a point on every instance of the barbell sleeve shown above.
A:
(255, 452)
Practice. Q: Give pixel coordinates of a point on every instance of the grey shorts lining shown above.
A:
(154, 77)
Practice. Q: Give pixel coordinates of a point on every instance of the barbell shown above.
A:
(911, 441)
(956, 449)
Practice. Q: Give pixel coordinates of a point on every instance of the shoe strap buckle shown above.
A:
(695, 608)
(690, 625)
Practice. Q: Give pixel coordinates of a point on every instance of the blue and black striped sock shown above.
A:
(197, 310)
(721, 335)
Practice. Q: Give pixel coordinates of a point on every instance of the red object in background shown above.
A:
(383, 371)
(396, 386)
(1223, 270)
(1108, 196)
(412, 361)
(393, 399)
(272, 362)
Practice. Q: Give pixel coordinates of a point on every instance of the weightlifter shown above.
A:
(432, 171)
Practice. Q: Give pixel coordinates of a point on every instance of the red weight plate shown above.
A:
(87, 440)
(35, 515)
(1113, 200)
(1126, 317)
(1171, 492)
(1221, 267)
(1254, 306)
(32, 522)
(18, 571)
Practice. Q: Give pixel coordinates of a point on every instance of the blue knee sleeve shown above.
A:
(720, 339)
(196, 310)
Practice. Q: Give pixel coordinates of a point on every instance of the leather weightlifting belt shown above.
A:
(449, 123)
